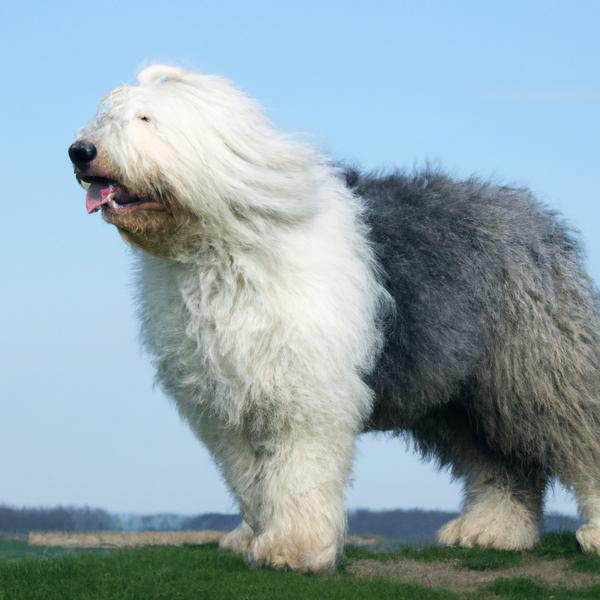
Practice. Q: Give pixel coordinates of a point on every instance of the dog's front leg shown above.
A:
(295, 505)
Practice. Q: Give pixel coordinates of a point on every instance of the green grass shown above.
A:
(19, 548)
(174, 573)
(586, 563)
(468, 558)
(553, 545)
(525, 589)
(557, 545)
(199, 572)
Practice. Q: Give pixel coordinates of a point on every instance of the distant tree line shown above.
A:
(60, 518)
(411, 526)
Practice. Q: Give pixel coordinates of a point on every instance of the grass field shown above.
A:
(555, 569)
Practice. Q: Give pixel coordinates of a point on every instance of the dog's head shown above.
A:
(182, 155)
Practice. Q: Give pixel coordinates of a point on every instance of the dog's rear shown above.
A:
(492, 359)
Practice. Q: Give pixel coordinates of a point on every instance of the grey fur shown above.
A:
(493, 354)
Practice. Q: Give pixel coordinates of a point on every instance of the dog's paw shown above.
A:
(499, 530)
(289, 552)
(449, 534)
(588, 536)
(238, 540)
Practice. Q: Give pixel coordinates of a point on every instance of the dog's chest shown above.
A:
(202, 332)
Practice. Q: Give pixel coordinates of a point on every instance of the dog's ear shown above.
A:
(161, 74)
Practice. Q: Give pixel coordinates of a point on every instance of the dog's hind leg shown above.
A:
(502, 501)
(502, 509)
(586, 485)
(588, 496)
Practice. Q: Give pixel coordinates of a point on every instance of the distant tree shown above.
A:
(212, 521)
(60, 518)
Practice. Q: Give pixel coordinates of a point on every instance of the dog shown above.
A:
(290, 303)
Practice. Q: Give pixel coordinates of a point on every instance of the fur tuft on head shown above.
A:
(160, 73)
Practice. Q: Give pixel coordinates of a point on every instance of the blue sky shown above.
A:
(509, 90)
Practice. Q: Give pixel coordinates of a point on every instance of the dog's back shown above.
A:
(493, 308)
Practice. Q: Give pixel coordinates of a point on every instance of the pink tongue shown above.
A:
(97, 195)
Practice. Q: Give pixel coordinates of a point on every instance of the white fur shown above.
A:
(588, 495)
(261, 327)
(493, 518)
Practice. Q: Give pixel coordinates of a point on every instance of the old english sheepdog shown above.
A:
(290, 304)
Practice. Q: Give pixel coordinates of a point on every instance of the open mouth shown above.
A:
(112, 196)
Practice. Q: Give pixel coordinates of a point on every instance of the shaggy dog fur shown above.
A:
(289, 305)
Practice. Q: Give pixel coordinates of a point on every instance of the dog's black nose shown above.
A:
(82, 153)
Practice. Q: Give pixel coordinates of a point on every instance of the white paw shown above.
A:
(238, 540)
(449, 534)
(498, 530)
(292, 552)
(588, 536)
